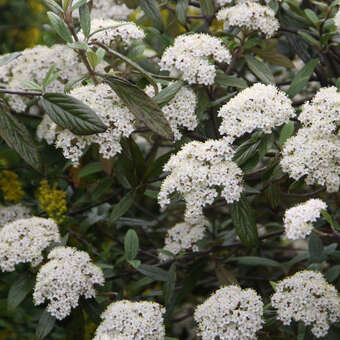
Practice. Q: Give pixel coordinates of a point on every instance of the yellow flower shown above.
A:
(11, 187)
(52, 201)
(28, 38)
(36, 6)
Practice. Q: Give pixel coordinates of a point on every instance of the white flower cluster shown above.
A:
(109, 9)
(180, 110)
(337, 20)
(182, 236)
(126, 320)
(108, 106)
(111, 31)
(34, 64)
(308, 154)
(250, 16)
(191, 56)
(306, 296)
(322, 114)
(298, 221)
(231, 313)
(67, 275)
(24, 241)
(13, 213)
(196, 171)
(257, 107)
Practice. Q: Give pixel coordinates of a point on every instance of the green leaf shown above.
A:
(151, 10)
(312, 16)
(243, 218)
(90, 169)
(131, 244)
(170, 285)
(51, 4)
(333, 273)
(79, 45)
(301, 331)
(287, 131)
(122, 207)
(309, 38)
(92, 58)
(181, 10)
(247, 150)
(155, 273)
(165, 95)
(272, 194)
(302, 78)
(85, 19)
(19, 290)
(60, 27)
(142, 106)
(225, 81)
(256, 261)
(330, 220)
(45, 325)
(260, 69)
(51, 76)
(7, 58)
(67, 4)
(135, 263)
(79, 4)
(70, 113)
(315, 248)
(18, 138)
(207, 7)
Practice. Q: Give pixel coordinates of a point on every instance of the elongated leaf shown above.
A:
(85, 19)
(333, 273)
(51, 4)
(257, 261)
(45, 325)
(122, 207)
(78, 4)
(90, 169)
(224, 80)
(315, 248)
(70, 113)
(60, 27)
(131, 244)
(181, 10)
(151, 9)
(207, 7)
(170, 284)
(8, 58)
(302, 77)
(142, 106)
(155, 273)
(243, 218)
(286, 132)
(18, 138)
(164, 96)
(260, 69)
(19, 290)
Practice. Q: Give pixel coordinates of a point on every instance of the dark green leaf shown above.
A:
(51, 4)
(256, 261)
(45, 325)
(142, 106)
(85, 20)
(333, 273)
(7, 58)
(170, 284)
(260, 69)
(207, 7)
(286, 131)
(312, 16)
(247, 150)
(60, 27)
(150, 8)
(301, 78)
(165, 95)
(122, 207)
(181, 10)
(243, 218)
(19, 290)
(272, 194)
(330, 220)
(301, 331)
(309, 38)
(18, 138)
(224, 81)
(131, 244)
(90, 169)
(315, 248)
(70, 113)
(155, 273)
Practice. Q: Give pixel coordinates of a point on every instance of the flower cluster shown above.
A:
(317, 158)
(180, 110)
(298, 221)
(306, 296)
(250, 16)
(52, 201)
(24, 241)
(108, 31)
(11, 187)
(196, 172)
(132, 321)
(13, 213)
(182, 237)
(191, 55)
(64, 278)
(337, 20)
(257, 107)
(34, 64)
(322, 114)
(108, 106)
(231, 313)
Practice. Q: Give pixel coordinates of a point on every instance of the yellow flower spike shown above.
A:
(36, 6)
(11, 187)
(52, 201)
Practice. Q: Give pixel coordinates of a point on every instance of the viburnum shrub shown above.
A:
(170, 170)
